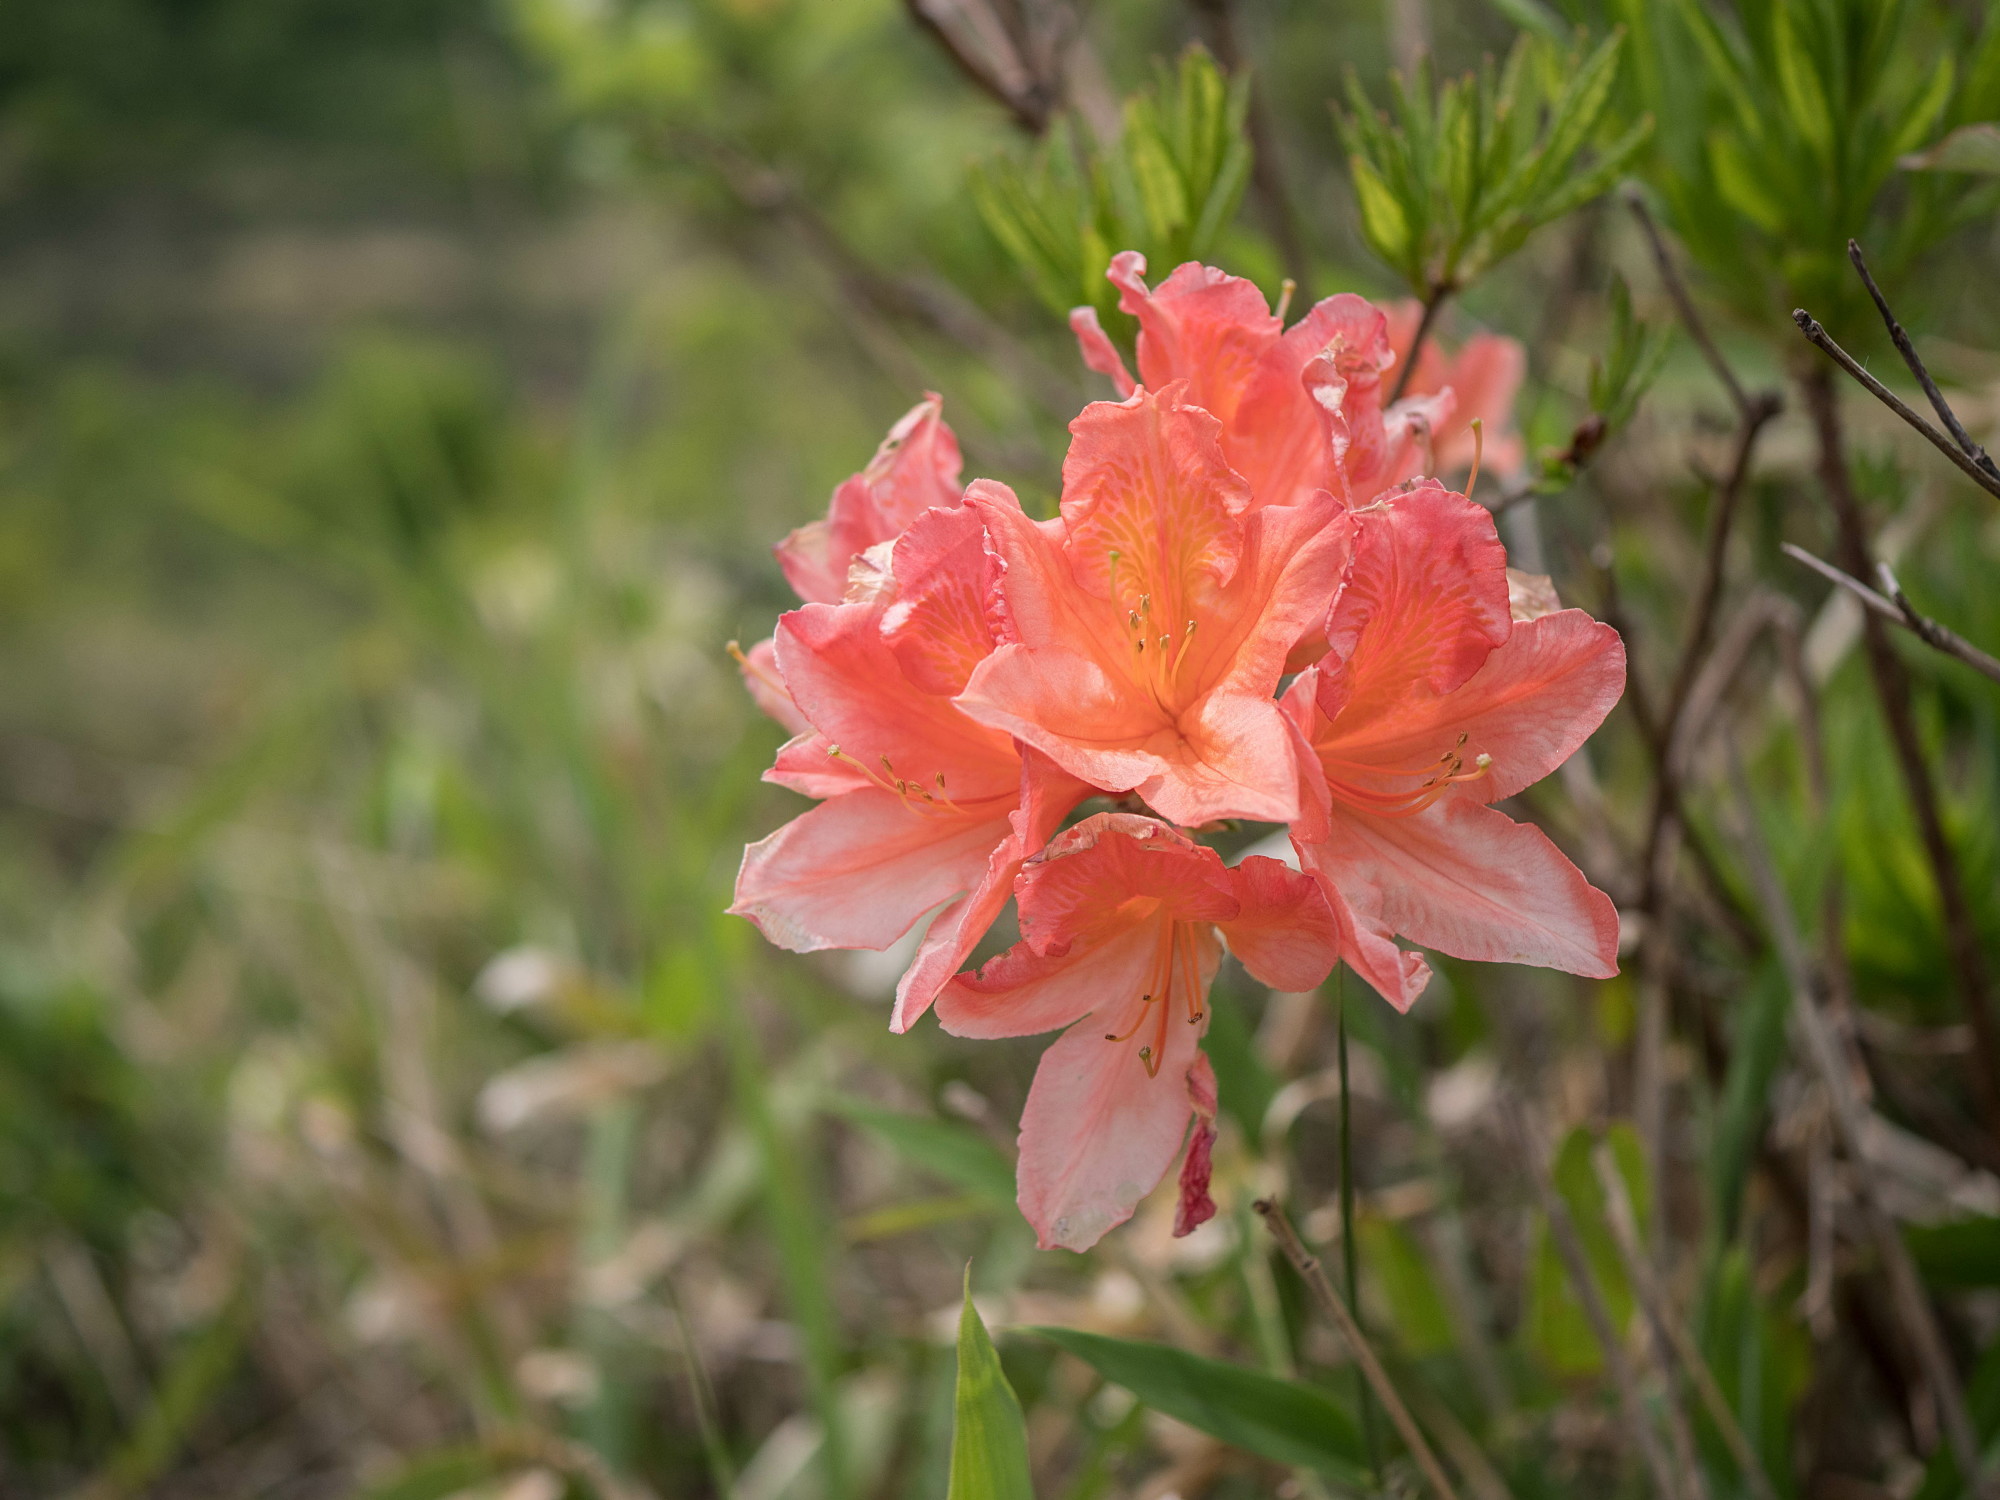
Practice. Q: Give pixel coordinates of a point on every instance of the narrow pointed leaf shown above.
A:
(989, 1438)
(1285, 1421)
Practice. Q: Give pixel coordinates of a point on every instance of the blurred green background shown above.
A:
(398, 402)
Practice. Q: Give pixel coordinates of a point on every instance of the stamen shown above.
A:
(1196, 1004)
(1446, 772)
(1285, 297)
(1478, 452)
(897, 784)
(735, 650)
(1187, 639)
(1144, 1002)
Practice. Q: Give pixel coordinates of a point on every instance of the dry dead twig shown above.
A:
(1835, 1078)
(1576, 1265)
(1314, 1275)
(1895, 606)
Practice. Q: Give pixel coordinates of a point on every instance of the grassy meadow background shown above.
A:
(398, 402)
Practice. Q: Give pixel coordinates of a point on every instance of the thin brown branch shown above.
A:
(1267, 174)
(1908, 350)
(1569, 1250)
(1670, 277)
(1824, 341)
(1434, 302)
(1898, 610)
(1314, 1275)
(1676, 1342)
(1029, 96)
(1836, 1079)
(1892, 689)
(1757, 412)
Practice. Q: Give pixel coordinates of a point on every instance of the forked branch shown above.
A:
(1895, 606)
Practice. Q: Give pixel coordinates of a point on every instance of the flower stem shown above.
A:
(1348, 1253)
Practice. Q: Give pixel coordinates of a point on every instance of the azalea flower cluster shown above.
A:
(1256, 605)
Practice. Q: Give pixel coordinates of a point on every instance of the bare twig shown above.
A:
(1670, 277)
(1434, 302)
(1001, 54)
(1668, 1329)
(1266, 171)
(1822, 340)
(1569, 1250)
(1900, 611)
(1314, 1275)
(1757, 411)
(1892, 688)
(1908, 350)
(1906, 1291)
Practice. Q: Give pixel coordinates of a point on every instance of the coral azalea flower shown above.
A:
(1120, 918)
(923, 806)
(915, 469)
(1301, 407)
(1483, 375)
(1432, 703)
(1146, 628)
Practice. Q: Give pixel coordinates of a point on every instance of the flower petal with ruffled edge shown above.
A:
(915, 468)
(1119, 921)
(1147, 627)
(1484, 375)
(1432, 703)
(1301, 407)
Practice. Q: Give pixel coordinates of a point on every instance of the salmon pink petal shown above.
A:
(848, 682)
(1484, 375)
(1423, 605)
(1529, 706)
(1022, 992)
(938, 625)
(1397, 976)
(1285, 934)
(859, 870)
(1192, 726)
(1115, 868)
(1469, 881)
(759, 666)
(916, 468)
(1149, 505)
(1047, 795)
(1199, 325)
(806, 765)
(1195, 1208)
(1100, 1130)
(1099, 353)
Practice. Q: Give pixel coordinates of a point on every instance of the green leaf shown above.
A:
(955, 1152)
(1421, 1315)
(1970, 148)
(1964, 1254)
(1288, 1422)
(989, 1438)
(436, 1475)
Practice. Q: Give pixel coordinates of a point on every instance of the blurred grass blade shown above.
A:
(1286, 1421)
(948, 1149)
(989, 1440)
(1962, 1254)
(436, 1475)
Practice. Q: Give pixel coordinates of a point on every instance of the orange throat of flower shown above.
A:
(1371, 788)
(1175, 976)
(1156, 647)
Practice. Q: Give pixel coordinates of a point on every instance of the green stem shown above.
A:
(1348, 1255)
